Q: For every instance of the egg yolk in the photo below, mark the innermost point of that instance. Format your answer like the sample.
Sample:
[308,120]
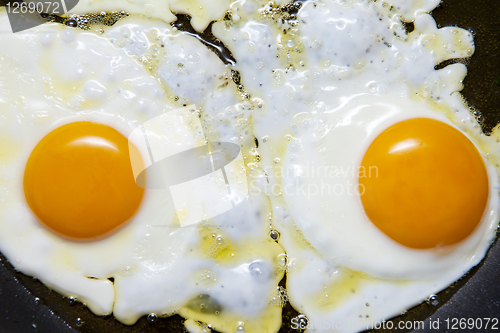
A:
[79,181]
[424,184]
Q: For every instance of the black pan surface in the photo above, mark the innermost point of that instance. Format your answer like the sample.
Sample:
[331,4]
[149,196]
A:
[26,305]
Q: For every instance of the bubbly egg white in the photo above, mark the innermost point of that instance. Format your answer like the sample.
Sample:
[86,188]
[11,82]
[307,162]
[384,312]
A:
[202,11]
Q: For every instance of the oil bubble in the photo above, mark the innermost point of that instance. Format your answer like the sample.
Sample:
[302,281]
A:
[433,300]
[72,23]
[260,270]
[152,318]
[79,322]
[274,234]
[240,328]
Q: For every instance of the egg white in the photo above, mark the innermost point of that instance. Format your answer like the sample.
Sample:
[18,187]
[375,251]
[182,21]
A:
[202,11]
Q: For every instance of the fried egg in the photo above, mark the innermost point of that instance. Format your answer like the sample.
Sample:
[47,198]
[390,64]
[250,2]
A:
[329,184]
[71,213]
[333,79]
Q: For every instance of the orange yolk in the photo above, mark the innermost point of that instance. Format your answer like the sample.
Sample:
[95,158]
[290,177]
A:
[79,182]
[431,184]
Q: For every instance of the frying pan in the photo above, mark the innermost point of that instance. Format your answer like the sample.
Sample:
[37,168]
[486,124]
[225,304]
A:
[26,305]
